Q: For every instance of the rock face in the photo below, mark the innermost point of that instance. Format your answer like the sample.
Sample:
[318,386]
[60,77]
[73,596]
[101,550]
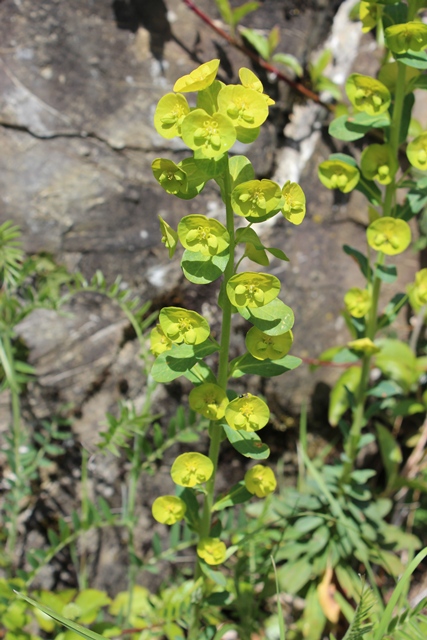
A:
[79,82]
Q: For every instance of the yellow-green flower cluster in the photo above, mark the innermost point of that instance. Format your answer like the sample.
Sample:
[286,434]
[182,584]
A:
[223,115]
[357,302]
[337,174]
[378,162]
[252,289]
[260,481]
[203,234]
[209,399]
[417,291]
[182,325]
[263,347]
[410,36]
[389,235]
[247,413]
[417,151]
[367,94]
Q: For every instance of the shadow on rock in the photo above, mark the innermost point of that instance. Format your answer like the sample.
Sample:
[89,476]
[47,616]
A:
[150,14]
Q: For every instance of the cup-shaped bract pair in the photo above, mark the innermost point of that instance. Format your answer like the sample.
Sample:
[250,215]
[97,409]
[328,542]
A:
[257,200]
[378,162]
[357,302]
[198,79]
[159,342]
[417,151]
[251,81]
[170,112]
[168,509]
[211,550]
[417,291]
[260,481]
[364,346]
[294,206]
[263,347]
[410,36]
[367,94]
[389,235]
[191,469]
[169,237]
[209,399]
[169,175]
[211,135]
[183,325]
[252,289]
[247,413]
[337,174]
[202,234]
[246,108]
[369,13]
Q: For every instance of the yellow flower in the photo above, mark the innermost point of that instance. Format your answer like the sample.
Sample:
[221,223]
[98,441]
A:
[260,481]
[168,509]
[211,550]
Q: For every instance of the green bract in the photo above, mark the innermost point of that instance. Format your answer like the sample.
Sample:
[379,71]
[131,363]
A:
[264,347]
[170,112]
[250,81]
[246,108]
[169,237]
[182,325]
[337,174]
[417,152]
[364,345]
[369,13]
[206,235]
[251,289]
[168,509]
[410,36]
[294,207]
[357,302]
[389,235]
[378,162]
[417,291]
[211,135]
[198,79]
[367,94]
[388,75]
[209,399]
[247,413]
[190,469]
[171,177]
[159,342]
[256,200]
[211,550]
[260,481]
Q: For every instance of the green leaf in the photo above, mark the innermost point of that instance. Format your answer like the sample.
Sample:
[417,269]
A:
[355,127]
[360,259]
[398,362]
[73,626]
[293,576]
[289,61]
[247,364]
[258,42]
[390,453]
[339,400]
[249,235]
[202,269]
[225,10]
[171,364]
[273,319]
[386,272]
[418,60]
[236,495]
[247,443]
[240,12]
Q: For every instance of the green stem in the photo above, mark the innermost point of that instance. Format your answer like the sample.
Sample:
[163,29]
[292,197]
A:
[215,430]
[399,97]
[359,410]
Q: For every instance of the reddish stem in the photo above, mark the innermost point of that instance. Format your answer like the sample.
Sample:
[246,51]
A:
[296,85]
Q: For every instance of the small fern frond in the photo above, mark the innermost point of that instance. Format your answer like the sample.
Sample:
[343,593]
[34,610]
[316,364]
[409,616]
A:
[11,254]
[358,627]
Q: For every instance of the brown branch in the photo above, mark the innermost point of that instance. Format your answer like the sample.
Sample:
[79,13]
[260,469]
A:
[295,84]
